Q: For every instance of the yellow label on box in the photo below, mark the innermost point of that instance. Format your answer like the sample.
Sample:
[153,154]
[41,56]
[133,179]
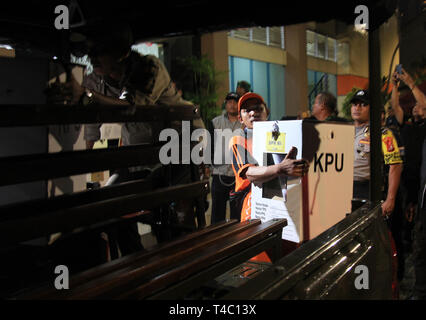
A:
[273,145]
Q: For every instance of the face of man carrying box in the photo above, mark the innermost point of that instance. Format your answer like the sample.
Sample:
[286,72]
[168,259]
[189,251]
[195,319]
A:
[251,107]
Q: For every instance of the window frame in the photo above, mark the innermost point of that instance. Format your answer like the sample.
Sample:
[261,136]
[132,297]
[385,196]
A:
[316,51]
[267,41]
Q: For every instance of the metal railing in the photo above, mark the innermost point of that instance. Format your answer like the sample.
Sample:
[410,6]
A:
[321,85]
[30,219]
[324,267]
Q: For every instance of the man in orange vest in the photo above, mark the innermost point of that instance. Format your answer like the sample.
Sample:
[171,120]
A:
[251,108]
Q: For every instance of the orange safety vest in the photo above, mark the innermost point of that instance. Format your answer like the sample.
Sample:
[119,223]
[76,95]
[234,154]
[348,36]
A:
[240,165]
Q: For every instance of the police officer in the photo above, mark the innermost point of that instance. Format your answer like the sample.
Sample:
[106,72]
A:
[360,112]
[393,164]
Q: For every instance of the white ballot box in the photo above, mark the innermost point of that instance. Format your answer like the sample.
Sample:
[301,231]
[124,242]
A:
[316,202]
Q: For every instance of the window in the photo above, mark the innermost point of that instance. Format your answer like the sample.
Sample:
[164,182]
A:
[276,37]
[319,81]
[266,79]
[243,34]
[331,49]
[259,35]
[269,36]
[320,46]
[343,54]
[310,43]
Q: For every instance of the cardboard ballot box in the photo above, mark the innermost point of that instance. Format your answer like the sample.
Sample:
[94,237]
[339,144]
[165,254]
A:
[316,202]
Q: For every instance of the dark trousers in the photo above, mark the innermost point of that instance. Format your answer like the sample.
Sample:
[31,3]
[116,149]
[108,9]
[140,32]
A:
[397,225]
[221,187]
[419,252]
[361,190]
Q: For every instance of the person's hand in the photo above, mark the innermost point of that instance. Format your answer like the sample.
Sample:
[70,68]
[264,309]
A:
[64,93]
[292,167]
[406,78]
[387,207]
[410,211]
[58,93]
[395,78]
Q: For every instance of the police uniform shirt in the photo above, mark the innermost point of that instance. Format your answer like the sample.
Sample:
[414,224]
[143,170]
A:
[362,154]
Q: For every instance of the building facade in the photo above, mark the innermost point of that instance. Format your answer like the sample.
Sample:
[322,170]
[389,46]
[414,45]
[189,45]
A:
[289,65]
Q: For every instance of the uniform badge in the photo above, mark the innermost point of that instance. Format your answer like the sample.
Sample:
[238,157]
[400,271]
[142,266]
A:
[388,141]
[364,145]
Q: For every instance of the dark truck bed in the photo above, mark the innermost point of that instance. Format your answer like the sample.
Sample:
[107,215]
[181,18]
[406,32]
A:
[354,259]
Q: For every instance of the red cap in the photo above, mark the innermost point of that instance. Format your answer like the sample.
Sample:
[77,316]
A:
[247,96]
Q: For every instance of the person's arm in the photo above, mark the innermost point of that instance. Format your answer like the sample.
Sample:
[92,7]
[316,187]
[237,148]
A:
[105,100]
[392,157]
[398,112]
[394,180]
[98,98]
[418,94]
[288,167]
[261,174]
